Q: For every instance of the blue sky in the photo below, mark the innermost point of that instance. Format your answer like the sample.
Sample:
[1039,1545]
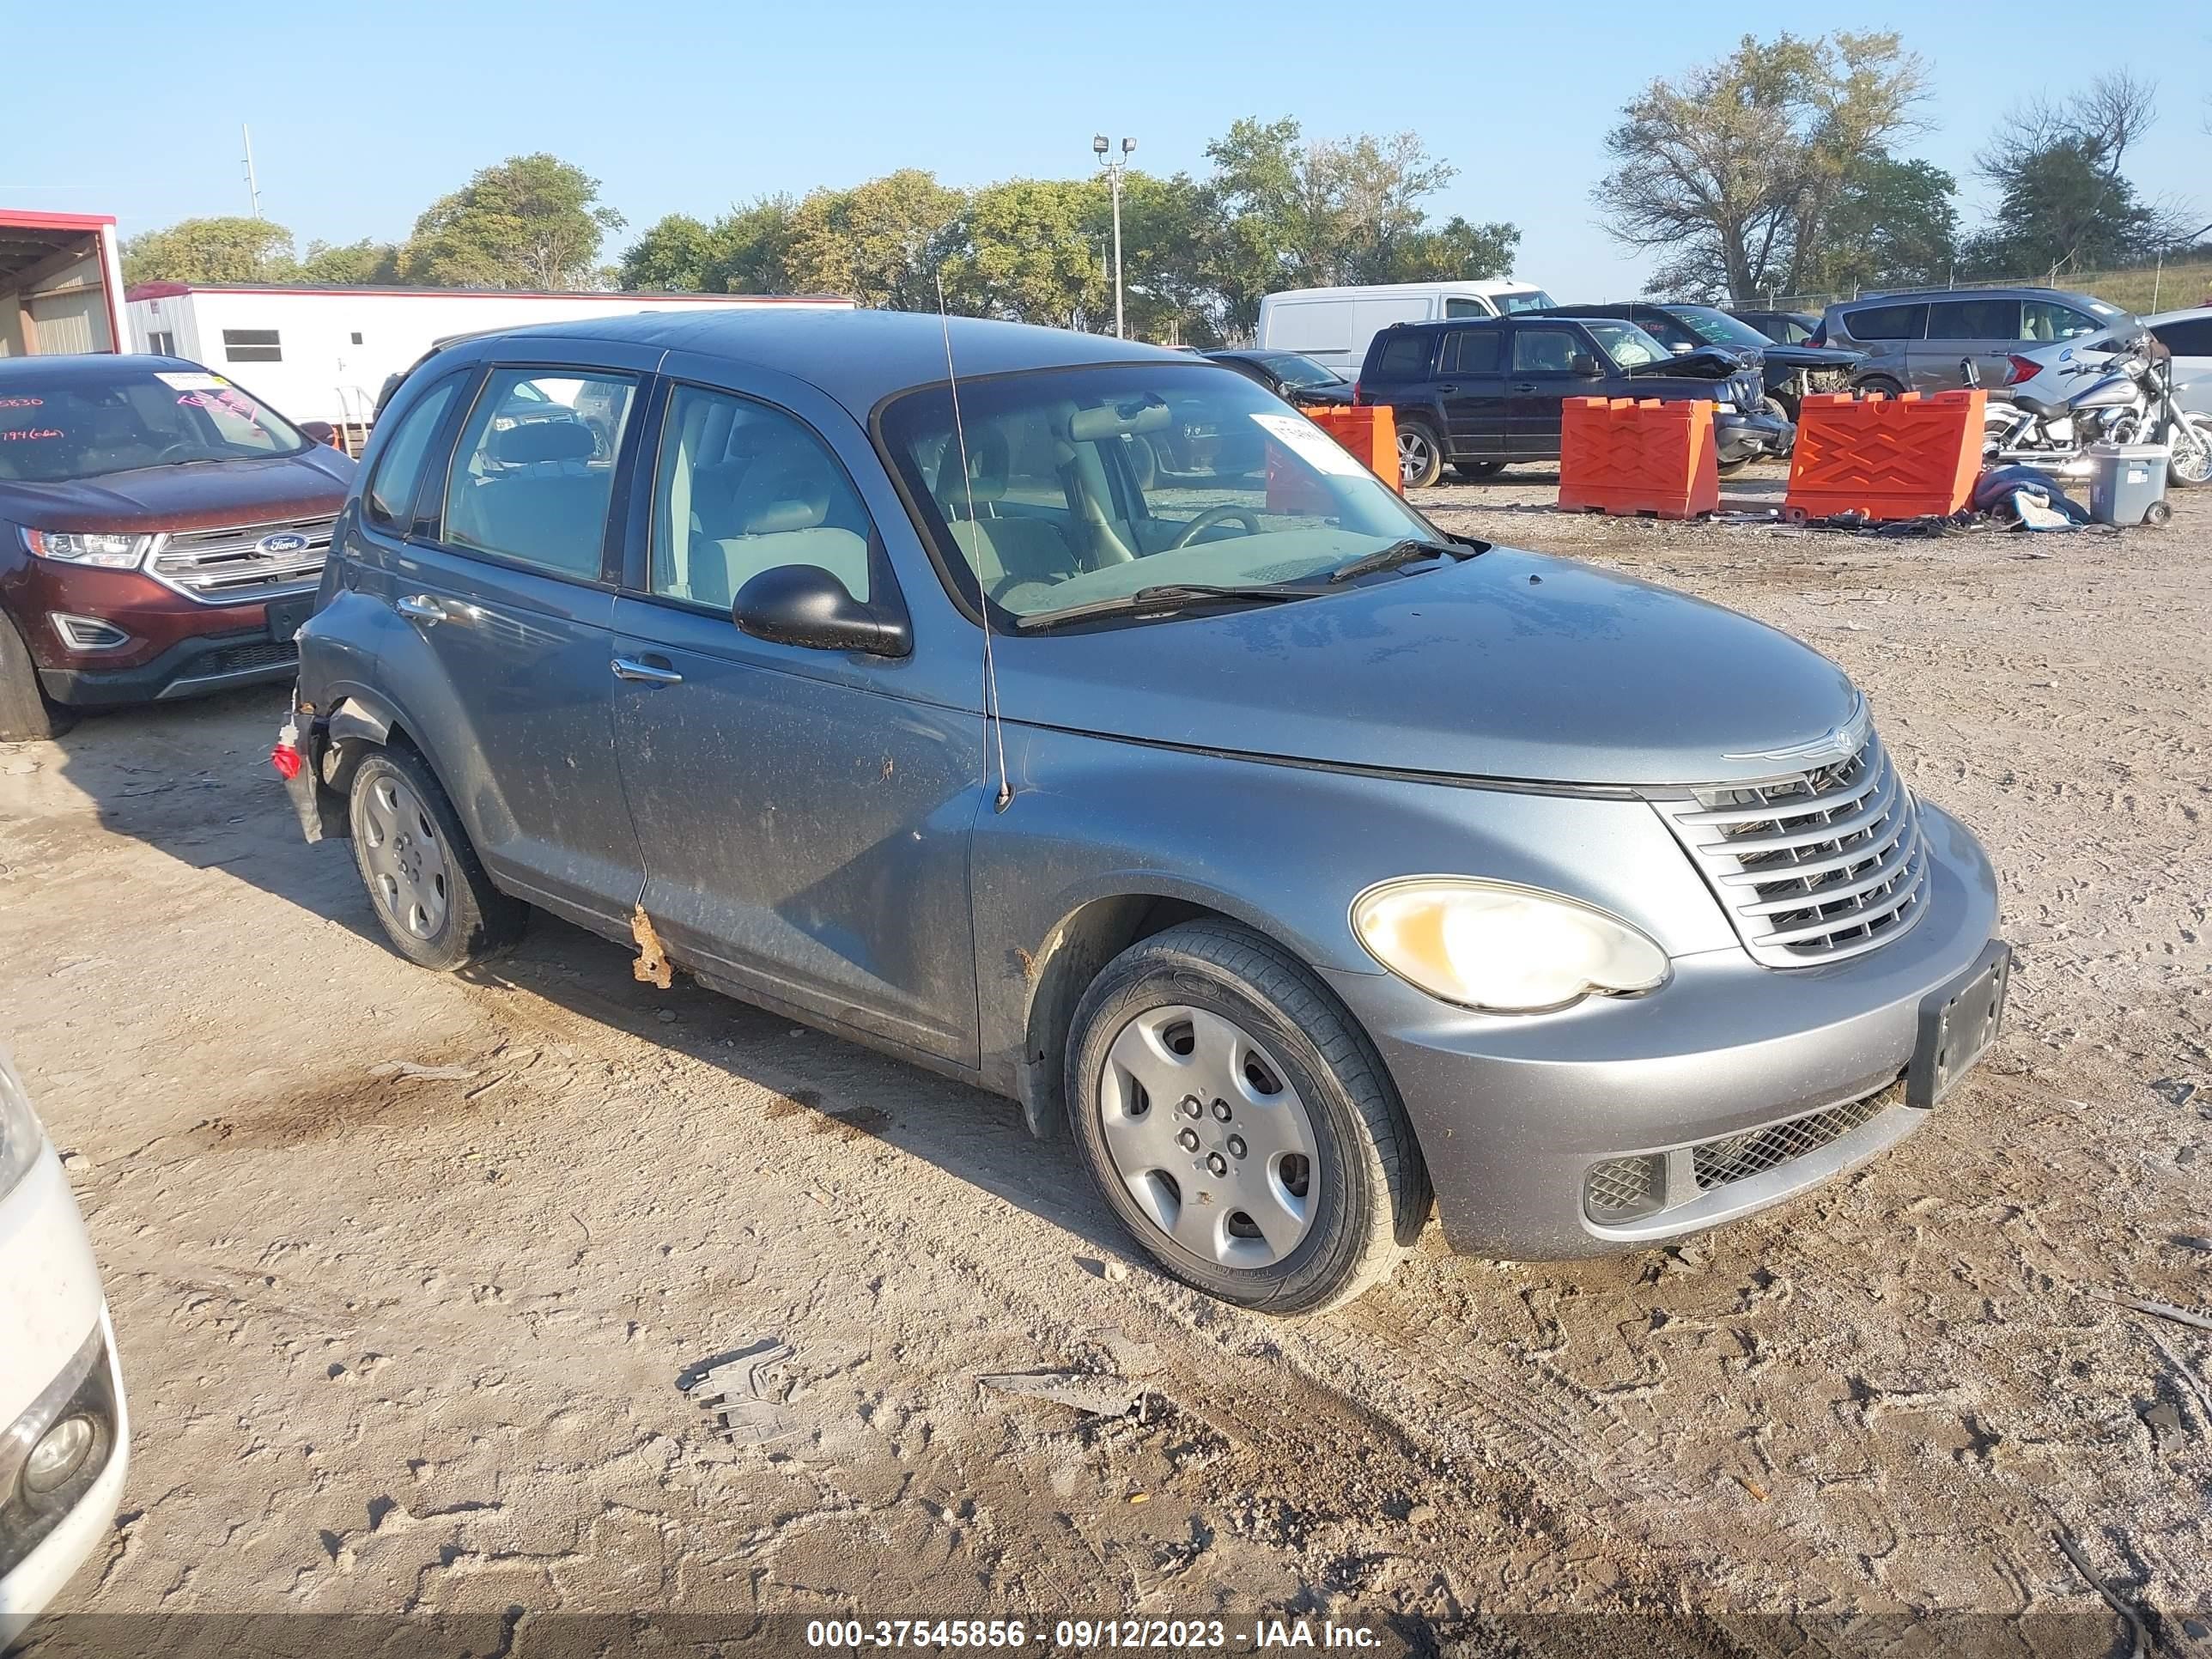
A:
[362,114]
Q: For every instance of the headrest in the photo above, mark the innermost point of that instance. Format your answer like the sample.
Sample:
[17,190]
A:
[532,441]
[989,460]
[776,518]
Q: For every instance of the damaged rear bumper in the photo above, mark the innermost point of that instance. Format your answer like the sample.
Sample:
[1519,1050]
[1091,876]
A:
[305,739]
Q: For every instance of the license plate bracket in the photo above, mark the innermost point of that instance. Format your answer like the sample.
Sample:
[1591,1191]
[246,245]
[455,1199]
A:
[1958,1023]
[285,616]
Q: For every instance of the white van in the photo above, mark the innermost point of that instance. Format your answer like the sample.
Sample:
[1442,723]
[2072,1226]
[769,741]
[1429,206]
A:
[1333,325]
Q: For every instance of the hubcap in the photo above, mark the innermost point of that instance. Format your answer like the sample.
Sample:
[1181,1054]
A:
[405,858]
[1413,455]
[1208,1136]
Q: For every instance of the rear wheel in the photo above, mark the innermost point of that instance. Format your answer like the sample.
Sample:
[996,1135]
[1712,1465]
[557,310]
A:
[1881,383]
[1420,455]
[1240,1124]
[28,714]
[430,890]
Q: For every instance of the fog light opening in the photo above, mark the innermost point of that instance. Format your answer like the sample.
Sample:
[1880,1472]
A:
[59,1454]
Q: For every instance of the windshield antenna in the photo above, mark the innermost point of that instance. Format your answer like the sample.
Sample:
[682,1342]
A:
[994,722]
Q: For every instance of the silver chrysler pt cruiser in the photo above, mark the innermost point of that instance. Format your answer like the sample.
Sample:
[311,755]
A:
[1077,720]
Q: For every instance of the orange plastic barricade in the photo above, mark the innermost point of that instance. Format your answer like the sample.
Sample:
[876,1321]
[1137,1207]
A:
[1628,455]
[1371,434]
[1889,458]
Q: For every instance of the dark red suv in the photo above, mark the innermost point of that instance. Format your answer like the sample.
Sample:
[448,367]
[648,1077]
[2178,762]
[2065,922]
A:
[161,532]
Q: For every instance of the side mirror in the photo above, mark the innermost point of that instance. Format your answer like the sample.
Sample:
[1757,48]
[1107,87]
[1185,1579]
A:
[803,604]
[321,432]
[1583,364]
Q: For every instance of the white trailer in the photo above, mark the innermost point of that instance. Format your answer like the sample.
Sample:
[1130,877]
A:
[322,354]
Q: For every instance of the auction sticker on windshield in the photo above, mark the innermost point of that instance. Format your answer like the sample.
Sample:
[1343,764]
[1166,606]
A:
[199,381]
[1311,444]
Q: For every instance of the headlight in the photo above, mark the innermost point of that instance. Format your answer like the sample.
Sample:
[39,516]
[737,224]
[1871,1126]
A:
[20,1134]
[114,552]
[1493,946]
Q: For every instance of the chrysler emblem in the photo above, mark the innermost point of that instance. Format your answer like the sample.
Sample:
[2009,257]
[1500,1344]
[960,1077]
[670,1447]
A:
[1836,742]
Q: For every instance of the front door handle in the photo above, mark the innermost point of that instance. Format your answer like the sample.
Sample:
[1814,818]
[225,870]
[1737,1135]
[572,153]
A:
[1449,391]
[628,668]
[420,607]
[1524,386]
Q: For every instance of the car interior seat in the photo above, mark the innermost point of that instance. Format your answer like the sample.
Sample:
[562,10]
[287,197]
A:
[544,502]
[1008,552]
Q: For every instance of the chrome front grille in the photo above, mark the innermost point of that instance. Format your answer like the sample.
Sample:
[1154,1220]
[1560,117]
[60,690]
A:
[232,566]
[1818,867]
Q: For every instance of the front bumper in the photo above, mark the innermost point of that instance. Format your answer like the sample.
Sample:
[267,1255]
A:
[192,667]
[1515,1113]
[1748,437]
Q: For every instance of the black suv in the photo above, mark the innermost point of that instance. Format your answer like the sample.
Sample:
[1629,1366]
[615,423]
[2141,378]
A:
[1484,393]
[1791,371]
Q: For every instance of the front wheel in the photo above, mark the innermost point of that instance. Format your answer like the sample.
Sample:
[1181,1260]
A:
[1239,1122]
[2190,438]
[1420,455]
[429,888]
[27,713]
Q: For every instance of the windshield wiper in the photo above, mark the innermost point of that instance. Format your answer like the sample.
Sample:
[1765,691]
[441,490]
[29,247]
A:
[1412,551]
[1166,597]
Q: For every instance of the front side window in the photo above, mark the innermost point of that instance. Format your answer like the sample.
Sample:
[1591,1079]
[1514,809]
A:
[1159,474]
[1888,322]
[1461,307]
[390,496]
[2189,337]
[534,468]
[742,488]
[1629,346]
[1545,350]
[84,427]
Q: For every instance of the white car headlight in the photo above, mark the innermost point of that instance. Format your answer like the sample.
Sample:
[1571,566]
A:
[20,1134]
[113,552]
[1504,948]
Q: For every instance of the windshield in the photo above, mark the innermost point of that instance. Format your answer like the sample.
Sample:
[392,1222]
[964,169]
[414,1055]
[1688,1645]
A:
[81,427]
[1533,298]
[1717,327]
[1293,370]
[1629,346]
[1089,483]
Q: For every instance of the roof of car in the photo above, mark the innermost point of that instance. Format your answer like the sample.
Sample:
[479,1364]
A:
[2186,314]
[63,367]
[857,358]
[2013,291]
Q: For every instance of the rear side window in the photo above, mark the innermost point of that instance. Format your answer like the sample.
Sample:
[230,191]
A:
[2191,337]
[535,468]
[1974,320]
[743,488]
[390,496]
[1888,322]
[1404,356]
[1473,351]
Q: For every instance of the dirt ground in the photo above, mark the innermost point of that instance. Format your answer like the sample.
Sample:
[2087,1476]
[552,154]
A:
[407,1271]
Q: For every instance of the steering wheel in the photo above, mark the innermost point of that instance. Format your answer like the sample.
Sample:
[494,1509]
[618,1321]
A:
[1212,516]
[190,449]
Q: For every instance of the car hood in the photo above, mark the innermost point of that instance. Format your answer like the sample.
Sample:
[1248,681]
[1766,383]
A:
[1510,665]
[218,493]
[1806,356]
[1700,363]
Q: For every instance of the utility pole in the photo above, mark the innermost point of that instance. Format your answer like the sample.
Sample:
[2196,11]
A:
[1115,170]
[253,185]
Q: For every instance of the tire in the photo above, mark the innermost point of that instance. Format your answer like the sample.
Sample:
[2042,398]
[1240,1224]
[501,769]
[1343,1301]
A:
[2157,515]
[1775,409]
[1276,1058]
[28,714]
[1420,455]
[1476,471]
[425,882]
[1729,468]
[1882,383]
[2187,471]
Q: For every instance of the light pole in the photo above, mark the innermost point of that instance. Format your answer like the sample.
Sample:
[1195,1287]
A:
[1100,147]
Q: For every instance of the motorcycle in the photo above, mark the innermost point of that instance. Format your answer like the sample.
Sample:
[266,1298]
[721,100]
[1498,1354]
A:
[2065,398]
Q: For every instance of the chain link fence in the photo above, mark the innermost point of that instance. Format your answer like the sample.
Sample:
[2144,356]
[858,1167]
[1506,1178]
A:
[2143,289]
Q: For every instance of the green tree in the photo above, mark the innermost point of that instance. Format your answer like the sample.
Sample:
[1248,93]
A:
[1169,227]
[883,243]
[533,222]
[1031,254]
[219,250]
[1733,174]
[670,258]
[1891,222]
[364,263]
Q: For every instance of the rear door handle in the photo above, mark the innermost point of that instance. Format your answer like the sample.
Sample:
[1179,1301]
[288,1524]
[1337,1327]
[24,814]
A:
[420,607]
[1524,386]
[652,673]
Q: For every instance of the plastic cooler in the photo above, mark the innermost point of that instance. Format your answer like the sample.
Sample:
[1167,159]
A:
[2127,483]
